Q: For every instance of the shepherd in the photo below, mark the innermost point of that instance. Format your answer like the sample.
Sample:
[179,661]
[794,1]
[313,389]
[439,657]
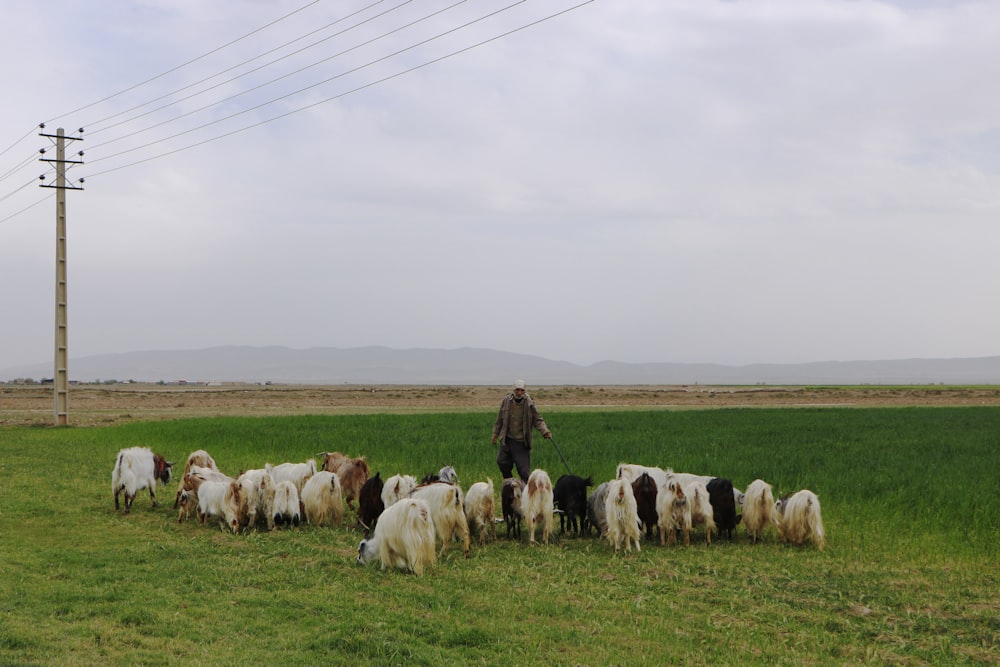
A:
[515,420]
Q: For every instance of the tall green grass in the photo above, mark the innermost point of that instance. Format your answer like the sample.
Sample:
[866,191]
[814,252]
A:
[909,575]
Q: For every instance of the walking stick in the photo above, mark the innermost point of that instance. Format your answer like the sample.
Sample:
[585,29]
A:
[553,441]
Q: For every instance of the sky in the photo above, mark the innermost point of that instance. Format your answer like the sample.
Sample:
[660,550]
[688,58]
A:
[773,181]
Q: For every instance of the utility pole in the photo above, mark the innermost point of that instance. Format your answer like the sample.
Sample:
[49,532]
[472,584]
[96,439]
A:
[61,376]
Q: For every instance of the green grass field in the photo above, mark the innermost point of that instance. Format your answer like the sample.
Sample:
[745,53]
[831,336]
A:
[909,575]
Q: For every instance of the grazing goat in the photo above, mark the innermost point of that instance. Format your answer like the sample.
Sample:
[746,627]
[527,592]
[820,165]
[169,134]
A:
[188,488]
[570,498]
[701,508]
[622,515]
[510,505]
[722,497]
[479,510]
[758,509]
[674,513]
[447,513]
[631,472]
[537,505]
[396,488]
[370,504]
[256,508]
[644,489]
[403,538]
[597,515]
[287,509]
[353,473]
[138,468]
[800,519]
[323,500]
[296,473]
[199,458]
[214,498]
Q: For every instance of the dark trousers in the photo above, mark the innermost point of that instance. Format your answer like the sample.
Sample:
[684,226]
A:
[514,453]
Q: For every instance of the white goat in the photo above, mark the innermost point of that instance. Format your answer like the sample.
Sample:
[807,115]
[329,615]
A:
[480,510]
[758,509]
[286,504]
[296,473]
[632,471]
[800,518]
[256,499]
[323,499]
[701,508]
[403,538]
[396,488]
[673,511]
[137,468]
[622,515]
[199,458]
[445,502]
[597,514]
[538,504]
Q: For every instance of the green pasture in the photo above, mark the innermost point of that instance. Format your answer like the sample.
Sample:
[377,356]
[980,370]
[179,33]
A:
[909,575]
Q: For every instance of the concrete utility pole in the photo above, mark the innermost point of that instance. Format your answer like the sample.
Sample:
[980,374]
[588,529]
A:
[61,376]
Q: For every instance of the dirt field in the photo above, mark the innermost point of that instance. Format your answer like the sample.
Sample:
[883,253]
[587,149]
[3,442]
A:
[99,405]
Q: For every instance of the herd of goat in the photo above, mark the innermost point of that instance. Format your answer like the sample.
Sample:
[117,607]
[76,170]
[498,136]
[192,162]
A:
[404,518]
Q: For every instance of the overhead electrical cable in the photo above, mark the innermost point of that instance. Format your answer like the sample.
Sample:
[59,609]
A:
[349,92]
[190,62]
[228,69]
[302,69]
[260,67]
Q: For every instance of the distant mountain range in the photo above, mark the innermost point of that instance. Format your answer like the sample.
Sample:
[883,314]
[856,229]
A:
[474,366]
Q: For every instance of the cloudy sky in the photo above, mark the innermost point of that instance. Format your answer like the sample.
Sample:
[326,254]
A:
[773,181]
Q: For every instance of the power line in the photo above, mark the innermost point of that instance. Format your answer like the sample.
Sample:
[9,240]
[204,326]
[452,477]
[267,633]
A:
[256,69]
[340,95]
[189,62]
[27,134]
[300,70]
[231,68]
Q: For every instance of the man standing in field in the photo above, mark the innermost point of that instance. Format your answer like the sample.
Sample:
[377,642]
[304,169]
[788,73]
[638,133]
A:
[517,416]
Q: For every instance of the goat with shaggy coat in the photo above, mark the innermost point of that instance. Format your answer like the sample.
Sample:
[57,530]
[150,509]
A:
[403,538]
[323,500]
[187,498]
[597,515]
[622,515]
[722,498]
[632,471]
[138,468]
[479,510]
[353,473]
[287,508]
[510,505]
[570,497]
[702,513]
[370,504]
[199,458]
[447,513]
[644,489]
[537,504]
[800,519]
[296,473]
[396,488]
[256,508]
[674,512]
[758,509]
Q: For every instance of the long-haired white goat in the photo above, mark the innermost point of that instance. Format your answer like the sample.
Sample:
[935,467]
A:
[758,509]
[479,510]
[800,518]
[403,537]
[622,515]
[538,504]
[673,512]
